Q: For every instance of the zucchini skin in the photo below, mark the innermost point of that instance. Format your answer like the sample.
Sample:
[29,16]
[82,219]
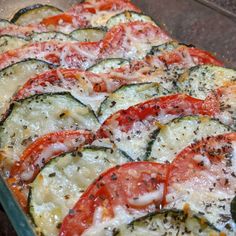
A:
[128,14]
[51,66]
[179,216]
[24,10]
[233,209]
[166,47]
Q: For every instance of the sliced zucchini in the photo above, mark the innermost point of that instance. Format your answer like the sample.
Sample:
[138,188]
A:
[107,65]
[128,95]
[199,81]
[179,133]
[38,115]
[62,181]
[47,36]
[168,222]
[14,76]
[4,23]
[8,42]
[34,14]
[88,35]
[127,16]
[166,47]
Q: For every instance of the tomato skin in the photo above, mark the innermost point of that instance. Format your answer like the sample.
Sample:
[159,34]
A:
[115,5]
[204,57]
[55,20]
[18,193]
[114,188]
[178,104]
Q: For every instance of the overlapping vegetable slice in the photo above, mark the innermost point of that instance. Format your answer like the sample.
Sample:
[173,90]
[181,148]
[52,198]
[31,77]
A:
[62,181]
[118,196]
[133,129]
[202,179]
[82,15]
[116,43]
[35,116]
[37,154]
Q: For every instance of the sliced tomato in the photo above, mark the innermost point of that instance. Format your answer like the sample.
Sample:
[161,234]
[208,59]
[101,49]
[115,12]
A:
[204,57]
[222,103]
[81,55]
[57,19]
[117,5]
[189,56]
[38,154]
[120,39]
[44,148]
[154,110]
[69,80]
[202,178]
[120,187]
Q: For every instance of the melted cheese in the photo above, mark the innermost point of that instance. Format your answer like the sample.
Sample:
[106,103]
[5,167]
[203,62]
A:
[107,227]
[207,193]
[148,198]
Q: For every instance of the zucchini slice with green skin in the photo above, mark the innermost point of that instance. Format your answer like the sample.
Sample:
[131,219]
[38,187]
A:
[14,76]
[129,95]
[107,65]
[179,133]
[38,115]
[34,14]
[47,36]
[8,42]
[166,47]
[168,222]
[88,34]
[199,81]
[128,16]
[62,181]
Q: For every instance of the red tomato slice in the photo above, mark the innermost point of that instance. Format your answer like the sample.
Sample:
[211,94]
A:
[203,178]
[154,110]
[127,35]
[73,80]
[57,19]
[103,5]
[117,5]
[44,148]
[204,57]
[79,55]
[122,186]
[38,154]
[189,56]
[222,103]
